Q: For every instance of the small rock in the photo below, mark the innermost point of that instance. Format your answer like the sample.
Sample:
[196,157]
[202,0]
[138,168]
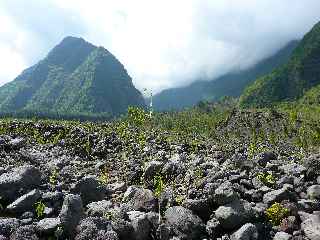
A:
[200,207]
[289,224]
[225,194]
[98,209]
[282,236]
[94,228]
[265,158]
[213,228]
[246,232]
[141,199]
[90,190]
[152,168]
[48,225]
[313,192]
[279,195]
[308,205]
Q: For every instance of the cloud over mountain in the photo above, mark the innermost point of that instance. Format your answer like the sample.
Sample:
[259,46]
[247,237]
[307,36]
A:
[162,43]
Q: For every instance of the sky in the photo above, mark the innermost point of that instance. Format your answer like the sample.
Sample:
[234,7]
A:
[163,43]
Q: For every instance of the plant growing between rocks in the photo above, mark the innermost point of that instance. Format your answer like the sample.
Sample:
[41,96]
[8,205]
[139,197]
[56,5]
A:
[276,213]
[159,187]
[104,176]
[266,178]
[39,208]
[53,179]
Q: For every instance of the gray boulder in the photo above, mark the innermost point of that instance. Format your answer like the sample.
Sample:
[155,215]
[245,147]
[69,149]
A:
[71,213]
[213,228]
[308,205]
[293,169]
[18,182]
[311,226]
[313,192]
[25,202]
[98,209]
[140,199]
[200,207]
[152,168]
[246,232]
[141,225]
[90,190]
[312,164]
[234,215]
[282,236]
[184,223]
[225,194]
[48,225]
[279,195]
[265,158]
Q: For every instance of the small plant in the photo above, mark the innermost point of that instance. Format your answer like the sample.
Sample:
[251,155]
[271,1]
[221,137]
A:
[276,213]
[87,145]
[108,215]
[104,176]
[39,208]
[53,179]
[58,233]
[198,175]
[266,178]
[179,200]
[159,187]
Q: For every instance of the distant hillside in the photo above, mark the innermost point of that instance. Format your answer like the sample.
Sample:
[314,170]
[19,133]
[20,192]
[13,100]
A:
[75,77]
[292,80]
[228,85]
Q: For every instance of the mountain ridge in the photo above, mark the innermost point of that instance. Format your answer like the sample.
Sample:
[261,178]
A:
[290,81]
[75,77]
[230,84]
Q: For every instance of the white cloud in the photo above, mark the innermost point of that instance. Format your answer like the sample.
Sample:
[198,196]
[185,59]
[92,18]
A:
[162,43]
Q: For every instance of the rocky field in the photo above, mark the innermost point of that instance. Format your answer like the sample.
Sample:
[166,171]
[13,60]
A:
[254,175]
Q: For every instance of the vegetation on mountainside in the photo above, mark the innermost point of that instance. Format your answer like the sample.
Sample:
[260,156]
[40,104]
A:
[75,79]
[231,84]
[292,80]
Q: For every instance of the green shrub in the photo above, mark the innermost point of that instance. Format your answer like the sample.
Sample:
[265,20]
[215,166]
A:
[266,178]
[276,213]
[39,208]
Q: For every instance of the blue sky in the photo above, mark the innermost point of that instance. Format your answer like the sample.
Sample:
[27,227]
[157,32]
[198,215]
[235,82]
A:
[162,44]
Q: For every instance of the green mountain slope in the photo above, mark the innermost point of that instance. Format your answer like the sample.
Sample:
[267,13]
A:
[231,84]
[290,81]
[75,77]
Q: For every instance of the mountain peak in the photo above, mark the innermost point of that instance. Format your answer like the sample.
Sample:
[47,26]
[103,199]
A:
[75,77]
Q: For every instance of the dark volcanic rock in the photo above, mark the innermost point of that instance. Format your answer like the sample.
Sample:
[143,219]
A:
[71,213]
[184,223]
[90,190]
[18,182]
